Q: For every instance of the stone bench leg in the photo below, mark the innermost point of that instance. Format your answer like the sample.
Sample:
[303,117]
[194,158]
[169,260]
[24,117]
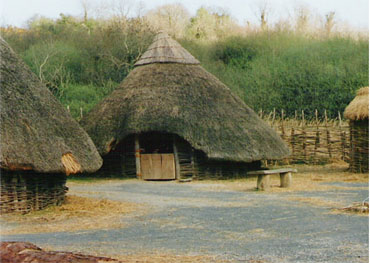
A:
[285,179]
[263,182]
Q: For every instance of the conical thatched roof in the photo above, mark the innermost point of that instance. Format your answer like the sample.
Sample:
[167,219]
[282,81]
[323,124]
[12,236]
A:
[358,109]
[166,50]
[37,133]
[186,100]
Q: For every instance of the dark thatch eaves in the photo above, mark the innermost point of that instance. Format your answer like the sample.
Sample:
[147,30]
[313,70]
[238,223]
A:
[183,99]
[358,109]
[37,133]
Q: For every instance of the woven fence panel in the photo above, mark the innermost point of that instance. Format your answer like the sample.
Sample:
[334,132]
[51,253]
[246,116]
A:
[22,192]
[313,141]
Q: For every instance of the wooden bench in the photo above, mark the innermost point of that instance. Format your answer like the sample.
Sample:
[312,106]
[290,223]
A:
[263,181]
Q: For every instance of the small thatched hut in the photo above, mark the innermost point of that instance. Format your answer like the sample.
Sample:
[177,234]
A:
[178,120]
[40,142]
[358,114]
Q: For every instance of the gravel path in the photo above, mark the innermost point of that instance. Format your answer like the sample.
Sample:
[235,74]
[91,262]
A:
[192,219]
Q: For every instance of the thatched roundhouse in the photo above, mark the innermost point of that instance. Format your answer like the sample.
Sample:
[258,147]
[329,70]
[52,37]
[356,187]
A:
[179,119]
[40,142]
[358,114]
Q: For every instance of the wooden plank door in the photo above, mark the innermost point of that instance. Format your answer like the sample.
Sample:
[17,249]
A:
[157,166]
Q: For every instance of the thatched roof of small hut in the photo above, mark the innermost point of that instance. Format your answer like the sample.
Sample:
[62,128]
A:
[183,99]
[37,133]
[166,50]
[358,109]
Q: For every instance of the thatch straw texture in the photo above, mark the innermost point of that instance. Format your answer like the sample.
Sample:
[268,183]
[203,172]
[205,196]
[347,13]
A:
[358,109]
[36,131]
[166,50]
[188,101]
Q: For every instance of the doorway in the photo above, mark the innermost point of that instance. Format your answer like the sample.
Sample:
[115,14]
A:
[157,159]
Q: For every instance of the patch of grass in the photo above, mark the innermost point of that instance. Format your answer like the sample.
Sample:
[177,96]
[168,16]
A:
[77,213]
[78,179]
[356,208]
[315,201]
[308,178]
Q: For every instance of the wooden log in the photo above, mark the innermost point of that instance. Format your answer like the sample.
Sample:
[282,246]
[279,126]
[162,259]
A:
[263,182]
[137,156]
[285,179]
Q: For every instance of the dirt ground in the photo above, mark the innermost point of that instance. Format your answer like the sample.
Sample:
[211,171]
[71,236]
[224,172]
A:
[206,221]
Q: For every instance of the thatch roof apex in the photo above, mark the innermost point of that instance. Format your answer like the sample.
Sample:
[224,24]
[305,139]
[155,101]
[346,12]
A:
[166,50]
[37,133]
[358,109]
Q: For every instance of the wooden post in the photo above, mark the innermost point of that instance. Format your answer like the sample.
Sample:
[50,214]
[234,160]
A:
[137,156]
[340,119]
[285,179]
[292,141]
[328,137]
[68,108]
[273,117]
[282,124]
[303,124]
[317,138]
[81,115]
[263,182]
[177,162]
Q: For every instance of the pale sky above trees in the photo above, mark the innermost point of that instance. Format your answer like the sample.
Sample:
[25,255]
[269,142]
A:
[354,13]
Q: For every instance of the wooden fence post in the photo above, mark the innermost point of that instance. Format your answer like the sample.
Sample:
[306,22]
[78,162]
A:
[304,136]
[317,137]
[282,124]
[302,122]
[260,114]
[328,140]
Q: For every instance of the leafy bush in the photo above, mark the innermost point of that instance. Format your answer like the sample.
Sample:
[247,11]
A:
[82,61]
[285,71]
[84,97]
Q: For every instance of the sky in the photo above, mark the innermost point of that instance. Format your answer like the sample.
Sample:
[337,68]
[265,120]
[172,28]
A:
[355,13]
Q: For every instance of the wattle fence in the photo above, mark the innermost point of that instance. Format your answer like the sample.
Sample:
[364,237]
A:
[312,139]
